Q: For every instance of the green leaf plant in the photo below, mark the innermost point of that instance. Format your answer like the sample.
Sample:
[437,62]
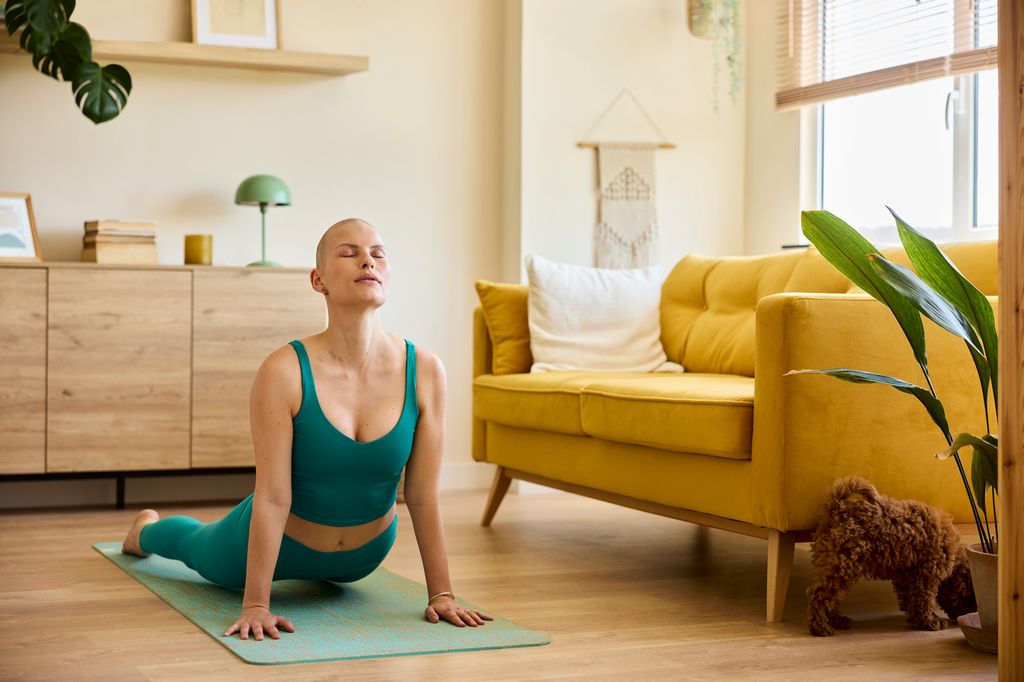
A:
[937,290]
[62,50]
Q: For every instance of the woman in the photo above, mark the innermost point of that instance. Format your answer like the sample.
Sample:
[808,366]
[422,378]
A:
[324,501]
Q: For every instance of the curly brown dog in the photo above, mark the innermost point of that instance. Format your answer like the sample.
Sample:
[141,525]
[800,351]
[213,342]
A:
[874,536]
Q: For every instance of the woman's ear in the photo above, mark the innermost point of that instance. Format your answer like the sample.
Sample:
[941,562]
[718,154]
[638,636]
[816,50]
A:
[317,282]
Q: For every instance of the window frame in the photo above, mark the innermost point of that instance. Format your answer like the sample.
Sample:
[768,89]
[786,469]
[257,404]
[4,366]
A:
[963,108]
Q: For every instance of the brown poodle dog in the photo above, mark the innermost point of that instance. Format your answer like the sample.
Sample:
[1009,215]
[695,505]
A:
[867,534]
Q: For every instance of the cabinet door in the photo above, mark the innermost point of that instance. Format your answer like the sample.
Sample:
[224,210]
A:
[118,372]
[22,370]
[241,317]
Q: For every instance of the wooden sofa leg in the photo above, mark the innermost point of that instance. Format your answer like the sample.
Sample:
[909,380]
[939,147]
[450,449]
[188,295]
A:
[781,547]
[498,489]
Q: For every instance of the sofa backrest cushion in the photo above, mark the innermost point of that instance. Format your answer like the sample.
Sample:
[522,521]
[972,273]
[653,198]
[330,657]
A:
[978,261]
[708,304]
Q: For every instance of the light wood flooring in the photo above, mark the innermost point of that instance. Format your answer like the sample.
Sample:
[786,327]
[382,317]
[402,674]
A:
[625,596]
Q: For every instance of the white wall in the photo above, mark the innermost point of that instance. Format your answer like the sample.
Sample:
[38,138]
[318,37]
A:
[577,55]
[459,143]
[413,145]
[774,194]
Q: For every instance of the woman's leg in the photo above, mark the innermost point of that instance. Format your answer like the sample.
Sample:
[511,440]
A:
[217,551]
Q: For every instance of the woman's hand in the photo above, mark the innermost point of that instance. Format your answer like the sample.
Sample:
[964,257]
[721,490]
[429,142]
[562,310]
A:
[455,614]
[257,619]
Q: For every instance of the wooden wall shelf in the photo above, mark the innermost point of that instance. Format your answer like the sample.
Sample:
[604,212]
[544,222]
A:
[215,55]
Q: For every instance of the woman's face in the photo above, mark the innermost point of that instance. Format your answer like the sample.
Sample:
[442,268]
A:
[354,268]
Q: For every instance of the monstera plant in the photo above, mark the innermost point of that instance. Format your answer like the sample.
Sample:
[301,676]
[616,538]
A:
[62,49]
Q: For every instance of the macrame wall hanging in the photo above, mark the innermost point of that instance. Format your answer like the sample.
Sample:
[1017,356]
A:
[626,232]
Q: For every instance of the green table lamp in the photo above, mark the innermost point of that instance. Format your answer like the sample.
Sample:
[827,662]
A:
[263,191]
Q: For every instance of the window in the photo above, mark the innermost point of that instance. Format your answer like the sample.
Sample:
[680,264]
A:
[928,149]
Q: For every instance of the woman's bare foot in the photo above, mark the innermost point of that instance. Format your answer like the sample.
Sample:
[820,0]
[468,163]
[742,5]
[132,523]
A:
[131,541]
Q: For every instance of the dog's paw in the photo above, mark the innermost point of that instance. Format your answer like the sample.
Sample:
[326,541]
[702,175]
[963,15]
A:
[841,622]
[820,627]
[931,622]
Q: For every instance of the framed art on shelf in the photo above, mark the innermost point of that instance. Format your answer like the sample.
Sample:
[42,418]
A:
[236,23]
[19,240]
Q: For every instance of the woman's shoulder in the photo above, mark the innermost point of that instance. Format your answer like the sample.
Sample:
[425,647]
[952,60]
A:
[427,363]
[280,374]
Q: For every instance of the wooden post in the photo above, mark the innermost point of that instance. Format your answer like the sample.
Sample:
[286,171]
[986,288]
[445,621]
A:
[1011,335]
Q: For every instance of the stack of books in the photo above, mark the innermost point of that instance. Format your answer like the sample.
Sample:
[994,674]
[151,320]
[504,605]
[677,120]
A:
[117,241]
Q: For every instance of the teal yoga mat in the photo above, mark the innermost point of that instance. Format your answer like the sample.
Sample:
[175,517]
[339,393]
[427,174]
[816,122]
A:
[380,615]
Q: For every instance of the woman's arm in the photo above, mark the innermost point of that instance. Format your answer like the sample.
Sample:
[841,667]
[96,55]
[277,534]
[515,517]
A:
[270,418]
[422,475]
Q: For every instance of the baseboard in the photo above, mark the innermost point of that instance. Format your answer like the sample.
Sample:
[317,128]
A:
[138,491]
[466,476]
[185,489]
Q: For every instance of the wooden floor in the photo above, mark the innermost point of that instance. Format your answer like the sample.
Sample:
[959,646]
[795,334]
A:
[624,595]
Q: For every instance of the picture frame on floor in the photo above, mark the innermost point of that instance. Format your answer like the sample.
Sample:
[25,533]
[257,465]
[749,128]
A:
[237,23]
[19,239]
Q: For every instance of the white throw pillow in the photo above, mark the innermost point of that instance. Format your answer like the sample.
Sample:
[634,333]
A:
[595,318]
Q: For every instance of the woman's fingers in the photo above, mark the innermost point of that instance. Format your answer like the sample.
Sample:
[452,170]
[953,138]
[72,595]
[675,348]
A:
[231,630]
[452,617]
[285,625]
[272,631]
[476,617]
[432,615]
[244,631]
[467,618]
[257,631]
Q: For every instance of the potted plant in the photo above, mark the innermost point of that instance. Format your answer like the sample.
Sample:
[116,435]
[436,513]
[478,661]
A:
[719,22]
[62,50]
[942,294]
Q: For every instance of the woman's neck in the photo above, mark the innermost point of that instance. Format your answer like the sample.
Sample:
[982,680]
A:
[354,340]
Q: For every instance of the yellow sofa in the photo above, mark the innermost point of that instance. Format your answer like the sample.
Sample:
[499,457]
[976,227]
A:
[732,443]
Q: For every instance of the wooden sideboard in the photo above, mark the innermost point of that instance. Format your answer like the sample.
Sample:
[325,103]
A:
[135,368]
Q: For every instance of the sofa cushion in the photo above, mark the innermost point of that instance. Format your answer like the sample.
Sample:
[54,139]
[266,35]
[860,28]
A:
[976,260]
[710,414]
[707,309]
[504,307]
[595,319]
[546,401]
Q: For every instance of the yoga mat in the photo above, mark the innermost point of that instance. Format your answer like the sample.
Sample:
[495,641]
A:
[380,615]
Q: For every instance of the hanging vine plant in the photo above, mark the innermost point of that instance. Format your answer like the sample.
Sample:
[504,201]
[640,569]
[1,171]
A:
[719,21]
[62,50]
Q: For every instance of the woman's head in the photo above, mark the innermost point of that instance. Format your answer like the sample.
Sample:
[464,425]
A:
[351,264]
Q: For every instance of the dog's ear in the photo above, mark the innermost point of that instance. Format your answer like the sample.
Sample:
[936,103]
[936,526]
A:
[956,593]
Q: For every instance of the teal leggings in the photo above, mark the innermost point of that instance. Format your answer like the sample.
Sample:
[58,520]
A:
[218,550]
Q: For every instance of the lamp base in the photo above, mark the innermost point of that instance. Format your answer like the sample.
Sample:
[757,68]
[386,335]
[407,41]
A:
[264,264]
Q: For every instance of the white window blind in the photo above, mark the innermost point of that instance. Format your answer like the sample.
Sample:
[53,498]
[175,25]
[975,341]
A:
[835,48]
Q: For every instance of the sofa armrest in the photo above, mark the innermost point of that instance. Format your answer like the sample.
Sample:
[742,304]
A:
[810,430]
[482,358]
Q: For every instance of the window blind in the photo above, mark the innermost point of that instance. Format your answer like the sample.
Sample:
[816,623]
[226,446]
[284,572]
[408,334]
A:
[837,48]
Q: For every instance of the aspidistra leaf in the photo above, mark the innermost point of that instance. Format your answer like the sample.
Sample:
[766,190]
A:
[932,404]
[848,251]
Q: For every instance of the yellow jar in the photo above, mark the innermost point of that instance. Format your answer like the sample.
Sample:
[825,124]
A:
[198,249]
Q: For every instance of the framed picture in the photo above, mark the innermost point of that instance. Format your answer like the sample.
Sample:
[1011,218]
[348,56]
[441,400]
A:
[236,23]
[19,240]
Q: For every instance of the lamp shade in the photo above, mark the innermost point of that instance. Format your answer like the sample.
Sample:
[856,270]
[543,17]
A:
[263,189]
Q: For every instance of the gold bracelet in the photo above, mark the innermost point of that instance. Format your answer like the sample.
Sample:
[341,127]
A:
[440,594]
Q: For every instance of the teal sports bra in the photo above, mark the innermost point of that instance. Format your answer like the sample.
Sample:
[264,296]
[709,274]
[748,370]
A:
[338,481]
